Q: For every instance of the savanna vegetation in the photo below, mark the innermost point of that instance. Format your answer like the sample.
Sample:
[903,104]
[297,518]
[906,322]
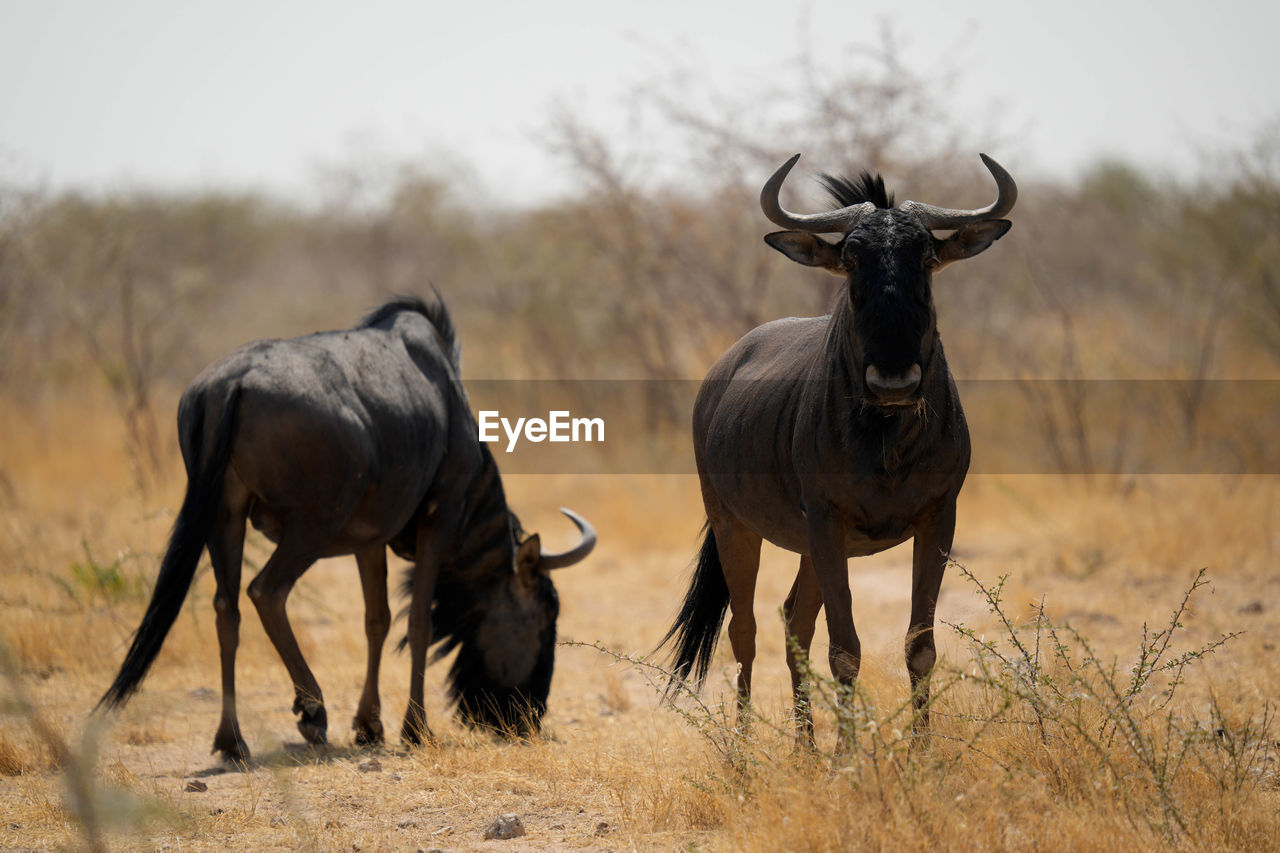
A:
[1108,640]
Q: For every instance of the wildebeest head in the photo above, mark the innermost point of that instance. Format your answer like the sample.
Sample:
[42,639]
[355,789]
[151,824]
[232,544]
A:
[501,677]
[887,255]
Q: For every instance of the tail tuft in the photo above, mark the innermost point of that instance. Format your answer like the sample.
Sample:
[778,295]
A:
[696,629]
[191,531]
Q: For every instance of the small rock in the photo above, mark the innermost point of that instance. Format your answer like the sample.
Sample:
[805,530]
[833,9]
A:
[373,765]
[504,826]
[195,786]
[278,820]
[602,828]
[430,850]
[204,694]
[1252,607]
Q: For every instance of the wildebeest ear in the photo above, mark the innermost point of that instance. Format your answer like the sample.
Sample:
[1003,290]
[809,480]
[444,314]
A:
[529,555]
[968,241]
[808,249]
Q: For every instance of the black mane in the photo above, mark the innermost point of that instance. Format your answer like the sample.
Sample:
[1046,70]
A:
[480,700]
[435,311]
[846,192]
[454,613]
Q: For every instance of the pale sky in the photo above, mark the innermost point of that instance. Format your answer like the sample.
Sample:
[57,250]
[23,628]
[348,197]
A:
[261,94]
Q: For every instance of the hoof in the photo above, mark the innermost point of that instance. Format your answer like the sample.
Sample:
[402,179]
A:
[232,750]
[314,731]
[368,733]
[921,742]
[416,734]
[313,723]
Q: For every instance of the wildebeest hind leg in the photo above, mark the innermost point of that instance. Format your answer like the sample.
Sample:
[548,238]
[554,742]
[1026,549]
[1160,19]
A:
[377,621]
[739,550]
[226,551]
[801,613]
[269,591]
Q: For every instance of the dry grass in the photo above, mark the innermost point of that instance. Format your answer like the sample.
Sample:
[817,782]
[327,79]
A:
[616,770]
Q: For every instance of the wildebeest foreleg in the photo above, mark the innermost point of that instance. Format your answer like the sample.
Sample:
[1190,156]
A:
[929,561]
[826,549]
[801,613]
[226,552]
[426,565]
[377,622]
[269,591]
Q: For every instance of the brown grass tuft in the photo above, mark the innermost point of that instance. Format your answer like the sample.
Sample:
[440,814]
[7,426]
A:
[20,756]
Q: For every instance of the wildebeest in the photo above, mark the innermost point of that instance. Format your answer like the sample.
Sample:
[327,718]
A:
[835,436]
[348,442]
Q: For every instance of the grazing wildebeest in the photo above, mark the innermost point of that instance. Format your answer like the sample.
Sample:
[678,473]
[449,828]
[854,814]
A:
[836,436]
[349,442]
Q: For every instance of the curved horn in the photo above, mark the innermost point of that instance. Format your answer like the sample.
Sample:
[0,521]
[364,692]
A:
[815,223]
[578,552]
[945,218]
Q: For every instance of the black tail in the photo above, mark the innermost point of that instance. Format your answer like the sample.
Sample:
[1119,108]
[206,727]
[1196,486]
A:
[697,627]
[190,533]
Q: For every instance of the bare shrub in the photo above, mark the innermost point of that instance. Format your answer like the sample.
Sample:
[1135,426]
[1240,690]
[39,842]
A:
[121,282]
[1033,701]
[678,255]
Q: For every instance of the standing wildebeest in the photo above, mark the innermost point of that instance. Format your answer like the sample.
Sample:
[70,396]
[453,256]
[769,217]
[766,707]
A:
[836,436]
[346,443]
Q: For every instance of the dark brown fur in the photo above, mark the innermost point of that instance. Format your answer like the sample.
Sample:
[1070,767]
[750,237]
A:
[795,444]
[349,442]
